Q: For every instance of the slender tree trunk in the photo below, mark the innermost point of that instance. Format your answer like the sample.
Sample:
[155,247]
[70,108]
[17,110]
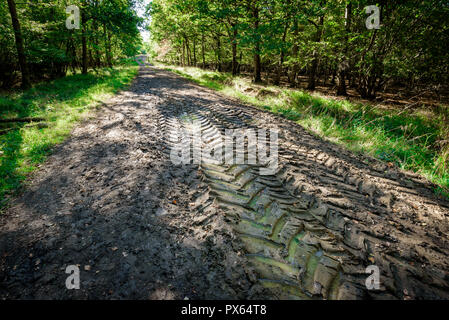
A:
[202,50]
[234,59]
[92,60]
[277,80]
[295,50]
[183,60]
[74,65]
[189,59]
[257,66]
[186,43]
[312,73]
[194,51]
[234,50]
[364,75]
[19,45]
[351,79]
[67,51]
[240,62]
[314,66]
[218,53]
[84,42]
[107,37]
[97,60]
[344,65]
[323,71]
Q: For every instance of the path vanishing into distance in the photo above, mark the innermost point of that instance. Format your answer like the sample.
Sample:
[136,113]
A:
[110,201]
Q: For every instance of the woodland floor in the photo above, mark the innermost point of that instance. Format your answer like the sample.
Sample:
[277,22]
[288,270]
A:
[110,200]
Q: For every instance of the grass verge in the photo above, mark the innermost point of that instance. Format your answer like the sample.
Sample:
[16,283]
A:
[62,103]
[410,139]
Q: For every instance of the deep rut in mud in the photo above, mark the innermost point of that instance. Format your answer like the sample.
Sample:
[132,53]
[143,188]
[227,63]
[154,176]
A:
[308,231]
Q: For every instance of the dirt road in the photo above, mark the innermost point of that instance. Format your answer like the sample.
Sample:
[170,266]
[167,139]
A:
[111,201]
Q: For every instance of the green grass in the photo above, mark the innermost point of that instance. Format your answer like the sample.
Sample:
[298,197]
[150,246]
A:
[409,139]
[63,103]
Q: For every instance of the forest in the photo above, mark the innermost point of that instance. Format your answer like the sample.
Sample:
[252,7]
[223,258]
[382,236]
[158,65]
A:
[331,41]
[36,45]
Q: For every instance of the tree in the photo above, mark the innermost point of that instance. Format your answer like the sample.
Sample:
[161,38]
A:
[344,65]
[19,44]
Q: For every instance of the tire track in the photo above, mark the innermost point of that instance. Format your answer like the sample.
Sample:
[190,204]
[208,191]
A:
[311,229]
[295,256]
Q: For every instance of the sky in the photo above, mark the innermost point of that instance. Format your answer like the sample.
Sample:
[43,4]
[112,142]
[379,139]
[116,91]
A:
[140,11]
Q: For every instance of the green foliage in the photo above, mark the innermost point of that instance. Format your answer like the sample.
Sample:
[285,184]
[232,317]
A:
[311,37]
[110,28]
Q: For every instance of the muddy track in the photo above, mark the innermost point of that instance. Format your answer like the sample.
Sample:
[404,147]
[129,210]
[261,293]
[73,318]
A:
[306,232]
[311,229]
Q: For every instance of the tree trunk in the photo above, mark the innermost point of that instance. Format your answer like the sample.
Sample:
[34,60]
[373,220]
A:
[240,62]
[84,43]
[234,50]
[107,37]
[218,53]
[257,67]
[313,68]
[97,60]
[194,51]
[365,75]
[25,119]
[295,50]
[189,60]
[202,50]
[334,74]
[19,45]
[183,60]
[312,75]
[344,65]
[341,89]
[277,80]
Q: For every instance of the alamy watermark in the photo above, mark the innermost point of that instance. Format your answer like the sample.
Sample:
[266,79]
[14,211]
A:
[373,280]
[73,280]
[373,21]
[73,21]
